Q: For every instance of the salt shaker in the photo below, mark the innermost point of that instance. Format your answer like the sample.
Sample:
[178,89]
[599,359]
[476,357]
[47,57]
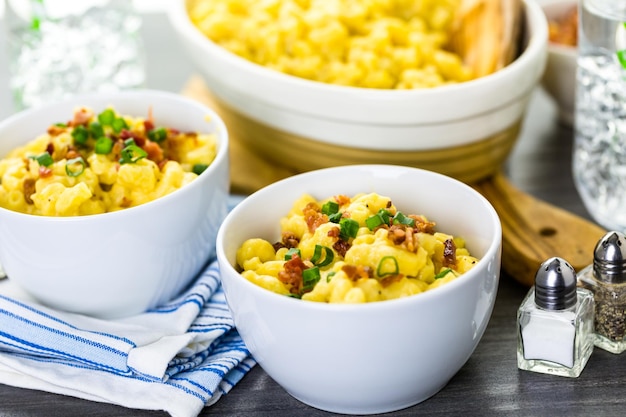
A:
[606,279]
[555,322]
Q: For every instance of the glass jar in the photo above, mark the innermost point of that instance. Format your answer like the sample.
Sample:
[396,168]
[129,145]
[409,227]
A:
[599,156]
[60,48]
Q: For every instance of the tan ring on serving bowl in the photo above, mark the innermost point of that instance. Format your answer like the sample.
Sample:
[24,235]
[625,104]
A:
[468,163]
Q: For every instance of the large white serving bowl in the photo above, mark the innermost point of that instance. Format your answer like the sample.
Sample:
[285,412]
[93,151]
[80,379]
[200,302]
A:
[376,357]
[464,130]
[120,263]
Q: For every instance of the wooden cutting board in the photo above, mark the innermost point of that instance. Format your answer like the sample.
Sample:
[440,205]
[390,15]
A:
[533,230]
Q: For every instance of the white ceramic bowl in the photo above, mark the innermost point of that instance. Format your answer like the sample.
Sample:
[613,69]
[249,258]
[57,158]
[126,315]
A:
[286,118]
[369,358]
[559,79]
[120,263]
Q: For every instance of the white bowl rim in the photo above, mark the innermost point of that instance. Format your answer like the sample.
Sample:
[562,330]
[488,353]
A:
[258,291]
[84,99]
[302,86]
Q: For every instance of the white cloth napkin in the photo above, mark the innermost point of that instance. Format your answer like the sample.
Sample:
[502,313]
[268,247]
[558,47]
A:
[178,358]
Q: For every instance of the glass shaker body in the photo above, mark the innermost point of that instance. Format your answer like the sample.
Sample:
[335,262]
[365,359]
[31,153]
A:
[610,311]
[557,342]
[599,156]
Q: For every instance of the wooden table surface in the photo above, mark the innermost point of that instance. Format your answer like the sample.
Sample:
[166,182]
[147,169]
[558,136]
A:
[489,384]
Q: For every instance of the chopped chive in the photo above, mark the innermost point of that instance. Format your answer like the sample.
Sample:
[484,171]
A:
[310,277]
[291,252]
[107,117]
[80,135]
[157,135]
[199,168]
[400,218]
[328,255]
[104,145]
[330,207]
[348,228]
[374,221]
[75,166]
[43,159]
[96,130]
[132,154]
[443,273]
[388,265]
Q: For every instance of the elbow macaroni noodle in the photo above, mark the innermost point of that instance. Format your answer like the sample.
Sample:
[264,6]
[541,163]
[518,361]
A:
[380,261]
[97,164]
[387,44]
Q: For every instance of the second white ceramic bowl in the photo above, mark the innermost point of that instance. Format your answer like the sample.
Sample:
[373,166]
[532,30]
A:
[120,263]
[376,357]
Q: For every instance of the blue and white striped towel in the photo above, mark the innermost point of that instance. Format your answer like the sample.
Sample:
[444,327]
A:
[178,358]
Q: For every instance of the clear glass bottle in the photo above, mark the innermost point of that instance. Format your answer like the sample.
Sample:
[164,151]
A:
[555,322]
[599,156]
[59,48]
[606,279]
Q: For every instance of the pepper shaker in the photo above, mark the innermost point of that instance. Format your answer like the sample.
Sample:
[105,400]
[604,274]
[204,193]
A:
[555,322]
[606,279]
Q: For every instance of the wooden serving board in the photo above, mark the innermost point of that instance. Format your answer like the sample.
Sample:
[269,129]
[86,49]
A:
[533,230]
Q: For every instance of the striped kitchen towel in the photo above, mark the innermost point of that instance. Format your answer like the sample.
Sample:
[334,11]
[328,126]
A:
[178,358]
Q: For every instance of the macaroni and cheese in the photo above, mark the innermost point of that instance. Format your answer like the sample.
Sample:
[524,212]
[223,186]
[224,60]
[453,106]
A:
[97,163]
[397,44]
[353,250]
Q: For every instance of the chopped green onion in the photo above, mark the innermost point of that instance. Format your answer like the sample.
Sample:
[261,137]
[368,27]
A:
[335,218]
[80,135]
[104,145]
[348,228]
[96,130]
[330,207]
[374,221]
[44,159]
[443,273]
[388,265]
[119,124]
[132,154]
[291,252]
[157,135]
[329,255]
[61,124]
[402,219]
[107,117]
[129,142]
[310,277]
[330,275]
[199,168]
[75,166]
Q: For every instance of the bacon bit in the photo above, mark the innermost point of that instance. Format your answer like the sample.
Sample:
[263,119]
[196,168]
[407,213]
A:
[50,148]
[81,117]
[116,152]
[71,154]
[291,275]
[154,151]
[397,233]
[341,247]
[44,172]
[449,253]
[29,189]
[55,130]
[390,279]
[148,125]
[314,216]
[422,225]
[388,204]
[290,240]
[334,232]
[162,163]
[138,138]
[125,202]
[355,272]
[342,199]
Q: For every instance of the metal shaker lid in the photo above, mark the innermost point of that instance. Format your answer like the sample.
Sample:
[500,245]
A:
[609,258]
[555,285]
